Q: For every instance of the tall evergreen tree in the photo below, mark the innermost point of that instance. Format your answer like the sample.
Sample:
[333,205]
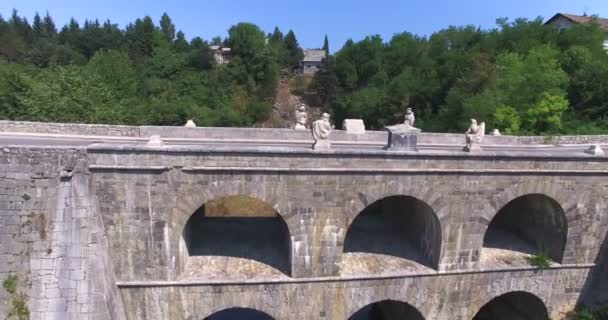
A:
[48,26]
[326,45]
[276,36]
[294,52]
[167,27]
[181,44]
[37,26]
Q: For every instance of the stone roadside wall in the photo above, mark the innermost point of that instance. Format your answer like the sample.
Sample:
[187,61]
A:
[370,137]
[68,128]
[52,238]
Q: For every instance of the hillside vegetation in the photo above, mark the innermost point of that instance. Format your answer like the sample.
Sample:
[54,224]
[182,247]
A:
[146,73]
[522,77]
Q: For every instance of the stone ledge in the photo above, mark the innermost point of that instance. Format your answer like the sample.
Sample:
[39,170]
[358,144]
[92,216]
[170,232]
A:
[542,152]
[145,284]
[349,170]
[97,167]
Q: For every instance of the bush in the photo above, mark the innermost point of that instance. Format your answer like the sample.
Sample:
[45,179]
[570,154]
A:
[541,261]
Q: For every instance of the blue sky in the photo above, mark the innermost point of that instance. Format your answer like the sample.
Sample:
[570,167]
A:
[310,19]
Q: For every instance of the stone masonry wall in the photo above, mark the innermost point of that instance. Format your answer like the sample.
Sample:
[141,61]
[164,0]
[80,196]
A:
[96,233]
[441,297]
[68,128]
[150,208]
[51,236]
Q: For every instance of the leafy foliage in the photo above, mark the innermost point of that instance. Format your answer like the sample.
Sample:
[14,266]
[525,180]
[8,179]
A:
[143,74]
[522,77]
[541,261]
[600,313]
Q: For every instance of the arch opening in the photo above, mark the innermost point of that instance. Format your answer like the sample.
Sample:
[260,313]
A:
[517,305]
[387,310]
[394,234]
[236,237]
[530,225]
[239,314]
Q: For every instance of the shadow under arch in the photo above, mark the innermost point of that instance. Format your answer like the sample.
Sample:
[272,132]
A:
[530,224]
[239,314]
[594,293]
[515,305]
[236,237]
[394,233]
[387,310]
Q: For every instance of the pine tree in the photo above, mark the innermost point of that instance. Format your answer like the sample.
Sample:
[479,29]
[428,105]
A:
[326,45]
[167,27]
[37,25]
[48,26]
[294,52]
[181,44]
[276,36]
[21,26]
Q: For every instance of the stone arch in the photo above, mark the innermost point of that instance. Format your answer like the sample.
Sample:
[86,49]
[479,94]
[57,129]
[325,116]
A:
[193,195]
[554,191]
[221,240]
[531,224]
[239,313]
[393,234]
[514,305]
[387,309]
[427,194]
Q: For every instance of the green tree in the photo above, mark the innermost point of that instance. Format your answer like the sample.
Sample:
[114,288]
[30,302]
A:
[507,120]
[326,45]
[294,52]
[167,27]
[546,115]
[181,44]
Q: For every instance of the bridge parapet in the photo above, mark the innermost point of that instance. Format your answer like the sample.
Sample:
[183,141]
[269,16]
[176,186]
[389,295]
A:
[270,134]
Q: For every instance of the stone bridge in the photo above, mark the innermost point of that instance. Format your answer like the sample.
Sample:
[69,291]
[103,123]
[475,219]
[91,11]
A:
[253,224]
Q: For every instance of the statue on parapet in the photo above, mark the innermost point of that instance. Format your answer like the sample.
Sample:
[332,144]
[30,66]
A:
[474,135]
[410,118]
[320,133]
[301,118]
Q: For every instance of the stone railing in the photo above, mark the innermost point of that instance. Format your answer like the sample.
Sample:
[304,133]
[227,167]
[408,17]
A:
[248,134]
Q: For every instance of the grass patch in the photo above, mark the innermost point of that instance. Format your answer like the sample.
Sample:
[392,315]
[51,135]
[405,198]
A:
[541,261]
[18,302]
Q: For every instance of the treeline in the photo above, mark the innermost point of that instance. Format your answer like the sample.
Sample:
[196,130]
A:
[146,73]
[523,77]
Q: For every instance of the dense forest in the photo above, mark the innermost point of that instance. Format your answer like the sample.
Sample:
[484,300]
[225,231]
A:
[146,73]
[522,77]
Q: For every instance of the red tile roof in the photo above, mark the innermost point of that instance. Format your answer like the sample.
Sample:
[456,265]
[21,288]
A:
[603,22]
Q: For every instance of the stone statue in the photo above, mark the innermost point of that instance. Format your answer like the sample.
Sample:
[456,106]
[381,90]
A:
[320,133]
[409,117]
[301,118]
[474,135]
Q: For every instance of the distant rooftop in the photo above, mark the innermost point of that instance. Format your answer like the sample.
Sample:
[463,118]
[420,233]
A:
[220,48]
[584,19]
[313,55]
